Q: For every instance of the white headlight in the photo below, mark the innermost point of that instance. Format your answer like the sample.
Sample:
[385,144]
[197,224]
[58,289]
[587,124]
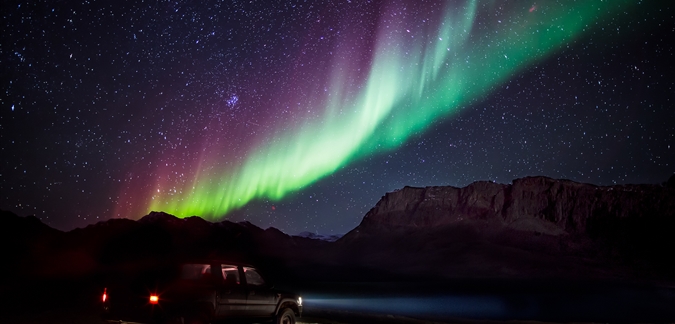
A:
[299,301]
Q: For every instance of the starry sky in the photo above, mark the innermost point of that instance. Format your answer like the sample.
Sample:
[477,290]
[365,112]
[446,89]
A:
[301,114]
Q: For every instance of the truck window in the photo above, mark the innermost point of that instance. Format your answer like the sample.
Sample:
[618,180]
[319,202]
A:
[230,274]
[196,271]
[253,277]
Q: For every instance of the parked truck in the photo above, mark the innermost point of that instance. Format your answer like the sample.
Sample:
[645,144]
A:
[198,292]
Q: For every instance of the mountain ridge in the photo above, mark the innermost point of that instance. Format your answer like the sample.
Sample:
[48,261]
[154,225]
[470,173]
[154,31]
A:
[535,227]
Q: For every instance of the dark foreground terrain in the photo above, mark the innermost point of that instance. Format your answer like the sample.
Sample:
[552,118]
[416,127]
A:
[466,301]
[538,249]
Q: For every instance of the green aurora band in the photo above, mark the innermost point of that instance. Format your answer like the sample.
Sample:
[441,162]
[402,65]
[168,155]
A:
[412,82]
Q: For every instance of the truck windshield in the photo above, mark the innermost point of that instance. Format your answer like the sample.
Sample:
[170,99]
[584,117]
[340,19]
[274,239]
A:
[253,277]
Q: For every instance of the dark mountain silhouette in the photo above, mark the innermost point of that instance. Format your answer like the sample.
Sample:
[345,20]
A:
[25,239]
[536,227]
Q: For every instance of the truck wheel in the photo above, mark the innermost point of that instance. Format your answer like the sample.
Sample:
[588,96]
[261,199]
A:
[286,316]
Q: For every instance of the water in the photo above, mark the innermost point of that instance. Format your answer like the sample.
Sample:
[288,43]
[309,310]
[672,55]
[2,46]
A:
[586,301]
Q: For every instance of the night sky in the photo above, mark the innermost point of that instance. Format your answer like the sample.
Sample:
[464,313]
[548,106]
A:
[301,114]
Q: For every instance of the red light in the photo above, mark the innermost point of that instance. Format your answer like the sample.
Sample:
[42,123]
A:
[154,299]
[105,295]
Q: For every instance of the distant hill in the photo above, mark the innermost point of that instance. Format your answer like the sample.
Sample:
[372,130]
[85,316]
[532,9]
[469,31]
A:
[314,236]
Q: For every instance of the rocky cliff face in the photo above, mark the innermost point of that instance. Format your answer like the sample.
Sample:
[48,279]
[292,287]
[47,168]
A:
[534,204]
[534,227]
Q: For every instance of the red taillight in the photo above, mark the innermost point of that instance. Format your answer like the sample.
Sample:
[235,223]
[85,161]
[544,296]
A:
[105,294]
[154,299]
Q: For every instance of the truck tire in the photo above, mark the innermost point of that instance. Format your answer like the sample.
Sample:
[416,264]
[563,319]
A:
[286,316]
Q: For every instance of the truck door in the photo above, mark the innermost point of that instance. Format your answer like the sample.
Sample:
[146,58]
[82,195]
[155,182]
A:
[261,300]
[231,293]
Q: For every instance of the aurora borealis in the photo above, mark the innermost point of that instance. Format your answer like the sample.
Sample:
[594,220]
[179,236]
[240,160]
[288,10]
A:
[301,115]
